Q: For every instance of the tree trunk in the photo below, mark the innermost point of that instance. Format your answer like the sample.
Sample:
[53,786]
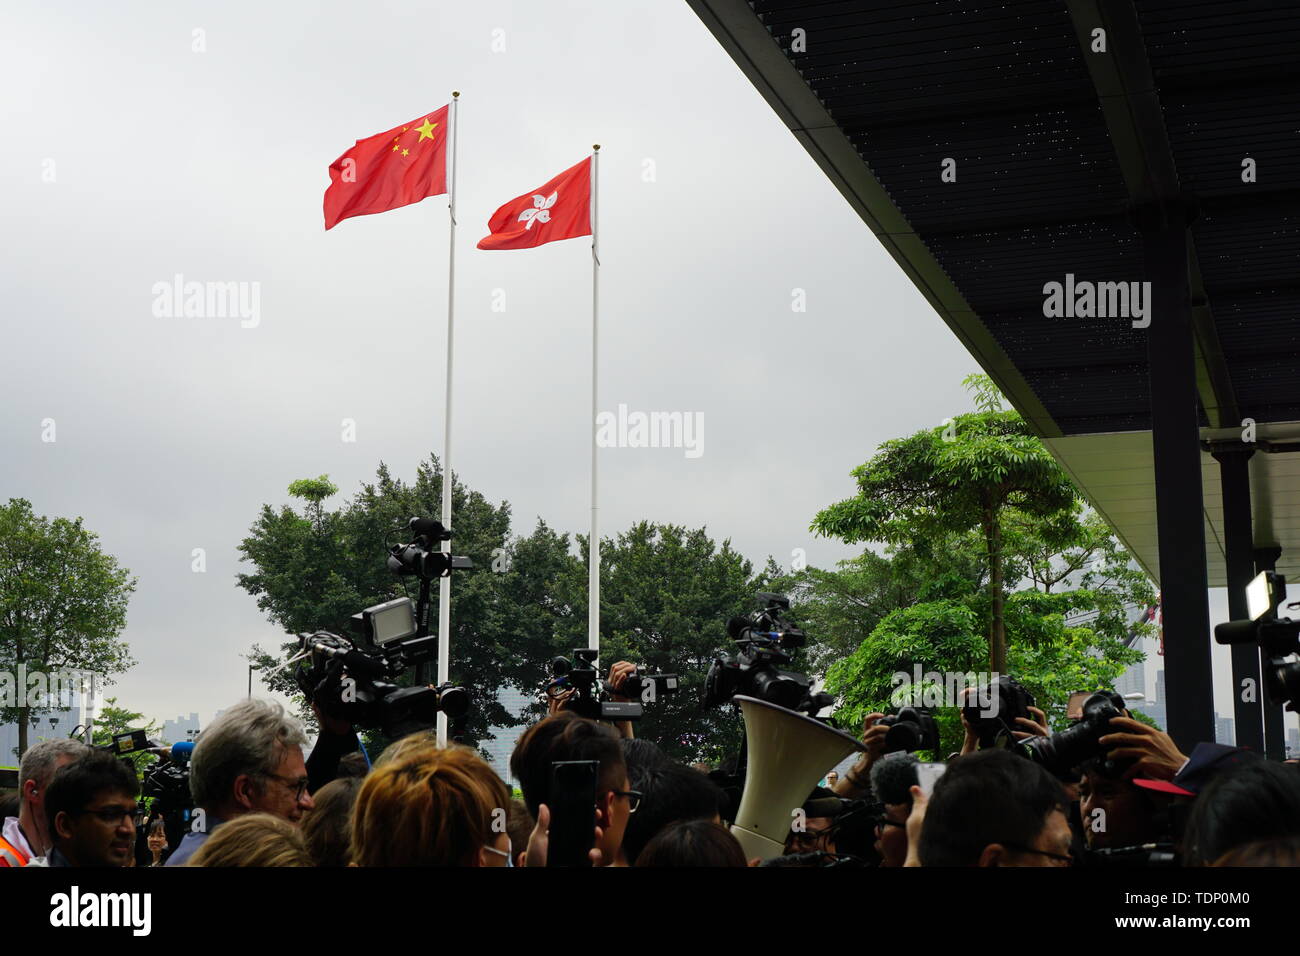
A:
[997,626]
[22,727]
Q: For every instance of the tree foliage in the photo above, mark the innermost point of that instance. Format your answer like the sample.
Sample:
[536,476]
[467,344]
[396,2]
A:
[954,479]
[666,595]
[63,603]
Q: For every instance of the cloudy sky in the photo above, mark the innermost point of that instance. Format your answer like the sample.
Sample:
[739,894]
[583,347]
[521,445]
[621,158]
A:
[150,140]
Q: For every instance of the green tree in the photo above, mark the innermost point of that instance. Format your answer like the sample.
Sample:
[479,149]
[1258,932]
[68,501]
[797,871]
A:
[113,719]
[63,604]
[838,606]
[949,480]
[313,571]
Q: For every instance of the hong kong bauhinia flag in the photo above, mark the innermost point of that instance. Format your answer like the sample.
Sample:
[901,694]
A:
[561,209]
[402,166]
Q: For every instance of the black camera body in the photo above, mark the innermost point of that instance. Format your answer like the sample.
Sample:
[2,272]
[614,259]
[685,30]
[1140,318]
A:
[580,676]
[994,726]
[910,730]
[421,556]
[756,670]
[167,784]
[648,687]
[1278,638]
[1062,752]
[353,678]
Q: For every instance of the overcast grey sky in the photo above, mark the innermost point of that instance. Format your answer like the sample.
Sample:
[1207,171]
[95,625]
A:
[172,432]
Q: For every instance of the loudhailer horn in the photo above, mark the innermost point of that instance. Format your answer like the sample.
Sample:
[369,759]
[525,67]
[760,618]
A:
[788,753]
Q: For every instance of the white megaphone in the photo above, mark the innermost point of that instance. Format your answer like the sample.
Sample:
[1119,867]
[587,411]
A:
[787,753]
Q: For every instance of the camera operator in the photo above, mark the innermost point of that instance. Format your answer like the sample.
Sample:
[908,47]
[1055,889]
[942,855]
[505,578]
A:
[856,782]
[1114,811]
[618,675]
[1035,727]
[28,835]
[995,808]
[337,739]
[248,760]
[1153,752]
[892,780]
[566,736]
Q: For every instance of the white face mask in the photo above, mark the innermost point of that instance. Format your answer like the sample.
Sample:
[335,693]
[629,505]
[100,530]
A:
[508,853]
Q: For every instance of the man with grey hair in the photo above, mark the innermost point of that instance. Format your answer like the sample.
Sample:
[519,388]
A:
[250,760]
[28,834]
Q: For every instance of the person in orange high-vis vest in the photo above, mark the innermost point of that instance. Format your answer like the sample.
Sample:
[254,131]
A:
[11,855]
[25,837]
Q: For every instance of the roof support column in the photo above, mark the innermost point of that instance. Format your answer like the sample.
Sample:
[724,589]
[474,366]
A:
[1274,729]
[1176,447]
[1239,545]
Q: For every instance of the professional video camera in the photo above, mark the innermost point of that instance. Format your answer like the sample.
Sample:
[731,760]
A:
[353,677]
[167,782]
[911,729]
[764,642]
[1278,637]
[1062,752]
[580,675]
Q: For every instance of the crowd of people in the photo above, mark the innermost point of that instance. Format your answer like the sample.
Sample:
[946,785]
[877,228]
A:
[258,801]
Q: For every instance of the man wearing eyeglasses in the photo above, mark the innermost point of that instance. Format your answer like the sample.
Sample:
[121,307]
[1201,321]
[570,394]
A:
[249,760]
[90,805]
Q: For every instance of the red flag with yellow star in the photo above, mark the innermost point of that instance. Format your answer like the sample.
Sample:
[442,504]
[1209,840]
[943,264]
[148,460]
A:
[402,166]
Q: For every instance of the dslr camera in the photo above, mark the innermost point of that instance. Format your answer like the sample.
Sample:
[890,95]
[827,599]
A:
[911,729]
[1061,753]
[764,643]
[993,726]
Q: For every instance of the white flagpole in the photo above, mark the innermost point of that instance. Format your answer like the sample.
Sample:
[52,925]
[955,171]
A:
[444,583]
[593,549]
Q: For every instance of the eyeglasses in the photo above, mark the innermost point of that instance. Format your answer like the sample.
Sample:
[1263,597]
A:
[1056,857]
[298,786]
[633,798]
[112,814]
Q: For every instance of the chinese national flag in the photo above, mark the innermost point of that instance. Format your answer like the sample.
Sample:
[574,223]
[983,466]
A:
[404,165]
[559,210]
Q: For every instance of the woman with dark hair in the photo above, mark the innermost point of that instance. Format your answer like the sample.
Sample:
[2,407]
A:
[1257,801]
[693,843]
[157,842]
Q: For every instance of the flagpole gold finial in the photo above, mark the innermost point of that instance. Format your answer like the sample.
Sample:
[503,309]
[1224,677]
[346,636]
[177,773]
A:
[455,94]
[596,147]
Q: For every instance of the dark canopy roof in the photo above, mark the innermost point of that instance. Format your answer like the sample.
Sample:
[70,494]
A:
[1054,145]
